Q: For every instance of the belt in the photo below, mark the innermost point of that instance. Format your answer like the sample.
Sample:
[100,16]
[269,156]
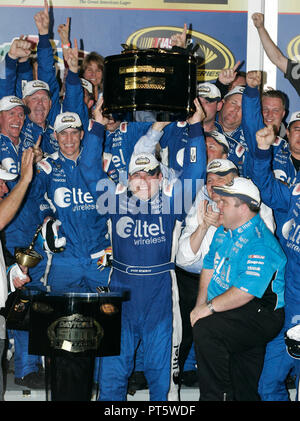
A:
[143,270]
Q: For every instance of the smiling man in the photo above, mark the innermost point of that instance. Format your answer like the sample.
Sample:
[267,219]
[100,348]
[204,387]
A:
[69,133]
[144,232]
[241,297]
[42,95]
[36,96]
[12,116]
[62,176]
[273,108]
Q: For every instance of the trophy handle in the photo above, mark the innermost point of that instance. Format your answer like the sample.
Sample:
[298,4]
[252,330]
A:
[39,229]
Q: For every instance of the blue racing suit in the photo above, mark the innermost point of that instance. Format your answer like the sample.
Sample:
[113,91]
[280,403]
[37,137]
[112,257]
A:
[17,233]
[173,142]
[74,98]
[46,72]
[84,228]
[14,73]
[119,146]
[20,234]
[282,163]
[144,240]
[279,196]
[64,181]
[241,141]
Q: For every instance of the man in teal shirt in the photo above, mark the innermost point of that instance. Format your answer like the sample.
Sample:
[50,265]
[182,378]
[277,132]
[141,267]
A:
[240,303]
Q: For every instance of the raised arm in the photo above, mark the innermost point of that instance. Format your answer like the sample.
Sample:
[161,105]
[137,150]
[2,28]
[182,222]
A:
[45,59]
[19,49]
[274,193]
[271,49]
[74,92]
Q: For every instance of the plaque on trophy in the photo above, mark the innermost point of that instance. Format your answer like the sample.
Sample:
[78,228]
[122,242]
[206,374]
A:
[163,81]
[72,329]
[76,323]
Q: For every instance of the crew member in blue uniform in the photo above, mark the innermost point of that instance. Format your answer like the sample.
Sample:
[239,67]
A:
[286,199]
[240,303]
[145,222]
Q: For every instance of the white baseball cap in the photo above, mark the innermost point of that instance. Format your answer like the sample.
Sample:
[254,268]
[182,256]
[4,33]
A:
[9,102]
[235,90]
[143,162]
[242,188]
[219,138]
[221,167]
[6,175]
[86,84]
[29,88]
[209,91]
[67,120]
[294,117]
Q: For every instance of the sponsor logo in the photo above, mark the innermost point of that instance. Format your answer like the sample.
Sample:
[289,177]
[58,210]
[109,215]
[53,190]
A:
[214,164]
[293,48]
[212,55]
[10,165]
[68,119]
[39,84]
[251,273]
[256,256]
[64,197]
[296,190]
[127,227]
[142,161]
[142,232]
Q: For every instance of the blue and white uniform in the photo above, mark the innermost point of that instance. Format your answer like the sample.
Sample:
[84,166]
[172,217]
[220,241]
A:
[66,185]
[74,98]
[242,140]
[12,76]
[282,163]
[16,74]
[173,143]
[144,241]
[119,146]
[19,234]
[46,73]
[277,195]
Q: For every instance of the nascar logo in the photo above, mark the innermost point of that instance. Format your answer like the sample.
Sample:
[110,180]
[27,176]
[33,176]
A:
[212,56]
[293,49]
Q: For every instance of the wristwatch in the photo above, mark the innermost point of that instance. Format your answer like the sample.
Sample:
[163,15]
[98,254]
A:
[210,306]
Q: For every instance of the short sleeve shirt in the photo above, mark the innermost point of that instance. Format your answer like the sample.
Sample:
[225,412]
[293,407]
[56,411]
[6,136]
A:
[293,74]
[248,258]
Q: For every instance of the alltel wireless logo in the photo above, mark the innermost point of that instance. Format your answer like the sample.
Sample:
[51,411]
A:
[212,55]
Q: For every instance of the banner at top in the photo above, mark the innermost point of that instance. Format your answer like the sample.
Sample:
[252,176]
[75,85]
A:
[210,5]
[289,6]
